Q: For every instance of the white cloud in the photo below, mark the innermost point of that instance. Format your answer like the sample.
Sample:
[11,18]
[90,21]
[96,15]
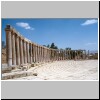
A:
[89,22]
[24,25]
[87,44]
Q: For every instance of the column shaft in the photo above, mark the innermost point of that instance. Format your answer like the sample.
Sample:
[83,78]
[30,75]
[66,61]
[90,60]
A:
[28,56]
[31,53]
[13,49]
[18,50]
[21,51]
[9,47]
[25,52]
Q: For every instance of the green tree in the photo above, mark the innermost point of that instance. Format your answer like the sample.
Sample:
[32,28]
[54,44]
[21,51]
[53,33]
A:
[48,46]
[67,48]
[53,46]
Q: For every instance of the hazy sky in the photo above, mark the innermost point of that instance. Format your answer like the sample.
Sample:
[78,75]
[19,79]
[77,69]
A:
[74,33]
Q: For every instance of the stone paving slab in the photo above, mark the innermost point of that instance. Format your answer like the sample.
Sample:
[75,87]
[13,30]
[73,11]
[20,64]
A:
[65,70]
[18,74]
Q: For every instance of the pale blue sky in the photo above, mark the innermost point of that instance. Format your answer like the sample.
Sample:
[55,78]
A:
[74,33]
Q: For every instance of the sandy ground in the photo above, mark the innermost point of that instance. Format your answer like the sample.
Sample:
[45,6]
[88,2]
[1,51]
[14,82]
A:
[66,70]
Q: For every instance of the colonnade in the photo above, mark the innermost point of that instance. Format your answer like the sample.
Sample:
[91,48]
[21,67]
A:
[21,51]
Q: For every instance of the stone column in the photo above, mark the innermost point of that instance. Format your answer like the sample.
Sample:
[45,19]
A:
[72,53]
[18,50]
[36,53]
[40,54]
[77,54]
[49,53]
[82,54]
[13,49]
[21,51]
[85,54]
[31,53]
[58,54]
[25,52]
[53,54]
[9,45]
[64,54]
[69,55]
[61,54]
[28,56]
[46,54]
[43,54]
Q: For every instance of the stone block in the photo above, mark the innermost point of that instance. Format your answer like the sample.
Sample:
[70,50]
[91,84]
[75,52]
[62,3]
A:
[35,74]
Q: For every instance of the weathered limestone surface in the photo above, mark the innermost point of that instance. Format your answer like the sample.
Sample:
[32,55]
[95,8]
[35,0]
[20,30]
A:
[22,52]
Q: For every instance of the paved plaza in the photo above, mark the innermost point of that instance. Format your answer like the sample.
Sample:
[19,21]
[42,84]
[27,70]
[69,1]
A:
[65,70]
